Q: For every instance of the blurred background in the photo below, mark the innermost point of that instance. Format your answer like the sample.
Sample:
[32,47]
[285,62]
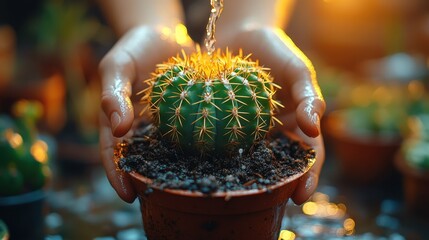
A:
[372,61]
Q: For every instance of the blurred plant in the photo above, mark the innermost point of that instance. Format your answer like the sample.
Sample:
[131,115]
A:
[24,159]
[374,108]
[62,32]
[62,26]
[416,145]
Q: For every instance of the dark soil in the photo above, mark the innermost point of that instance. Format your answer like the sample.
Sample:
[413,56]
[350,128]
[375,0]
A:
[266,164]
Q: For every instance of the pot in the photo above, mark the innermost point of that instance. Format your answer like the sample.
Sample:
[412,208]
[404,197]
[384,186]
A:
[415,186]
[23,215]
[362,159]
[244,214]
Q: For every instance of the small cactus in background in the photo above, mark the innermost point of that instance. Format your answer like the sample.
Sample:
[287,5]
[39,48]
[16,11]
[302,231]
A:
[212,103]
[24,157]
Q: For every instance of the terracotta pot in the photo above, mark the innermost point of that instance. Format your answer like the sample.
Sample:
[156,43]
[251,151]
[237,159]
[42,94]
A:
[23,215]
[179,214]
[361,159]
[415,185]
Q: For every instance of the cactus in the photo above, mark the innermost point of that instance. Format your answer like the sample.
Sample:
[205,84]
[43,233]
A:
[24,159]
[212,103]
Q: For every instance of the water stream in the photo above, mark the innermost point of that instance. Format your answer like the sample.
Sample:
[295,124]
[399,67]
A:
[216,10]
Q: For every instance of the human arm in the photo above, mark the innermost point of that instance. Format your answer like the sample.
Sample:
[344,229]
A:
[257,28]
[149,32]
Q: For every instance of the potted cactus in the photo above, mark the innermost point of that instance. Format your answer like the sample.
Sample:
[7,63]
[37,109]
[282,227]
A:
[413,162]
[205,168]
[24,171]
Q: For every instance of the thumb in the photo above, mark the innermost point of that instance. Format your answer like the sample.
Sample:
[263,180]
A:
[118,72]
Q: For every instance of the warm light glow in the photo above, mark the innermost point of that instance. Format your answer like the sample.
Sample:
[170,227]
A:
[320,197]
[416,89]
[349,225]
[14,139]
[342,206]
[321,207]
[181,34]
[287,235]
[26,107]
[332,209]
[383,95]
[310,208]
[39,151]
[165,33]
[360,97]
[203,67]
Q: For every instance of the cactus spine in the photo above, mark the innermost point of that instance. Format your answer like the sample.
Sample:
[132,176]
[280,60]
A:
[208,103]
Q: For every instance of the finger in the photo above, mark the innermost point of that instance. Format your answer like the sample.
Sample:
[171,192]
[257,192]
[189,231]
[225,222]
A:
[308,182]
[308,114]
[301,76]
[118,71]
[117,178]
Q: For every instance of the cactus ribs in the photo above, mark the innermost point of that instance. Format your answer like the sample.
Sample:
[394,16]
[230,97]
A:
[211,115]
[209,103]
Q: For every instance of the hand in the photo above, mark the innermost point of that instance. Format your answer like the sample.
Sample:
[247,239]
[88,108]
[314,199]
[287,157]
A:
[123,71]
[300,93]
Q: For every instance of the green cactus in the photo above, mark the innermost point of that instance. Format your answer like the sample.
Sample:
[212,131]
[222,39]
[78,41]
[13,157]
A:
[210,103]
[24,158]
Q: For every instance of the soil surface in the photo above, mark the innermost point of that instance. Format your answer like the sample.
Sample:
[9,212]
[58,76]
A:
[266,164]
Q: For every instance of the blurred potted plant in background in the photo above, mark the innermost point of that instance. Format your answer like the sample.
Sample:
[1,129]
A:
[63,33]
[366,130]
[24,171]
[413,162]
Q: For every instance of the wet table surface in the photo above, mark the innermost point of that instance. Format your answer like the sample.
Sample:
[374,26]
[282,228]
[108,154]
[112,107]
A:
[82,205]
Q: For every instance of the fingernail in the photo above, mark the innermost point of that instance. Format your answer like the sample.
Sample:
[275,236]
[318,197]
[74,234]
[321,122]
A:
[115,120]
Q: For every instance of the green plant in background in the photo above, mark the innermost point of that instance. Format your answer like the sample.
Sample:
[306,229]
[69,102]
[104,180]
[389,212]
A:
[24,158]
[62,33]
[62,26]
[416,146]
[213,102]
[375,119]
[382,109]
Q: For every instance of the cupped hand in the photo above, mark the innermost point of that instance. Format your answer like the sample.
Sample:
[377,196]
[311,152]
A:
[123,71]
[300,93]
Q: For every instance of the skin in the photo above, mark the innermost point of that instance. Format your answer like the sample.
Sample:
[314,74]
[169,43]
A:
[148,35]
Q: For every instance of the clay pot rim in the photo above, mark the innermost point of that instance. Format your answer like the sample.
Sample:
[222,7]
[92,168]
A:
[23,198]
[406,169]
[234,193]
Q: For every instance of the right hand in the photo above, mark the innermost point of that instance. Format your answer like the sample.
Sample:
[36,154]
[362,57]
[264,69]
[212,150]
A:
[123,71]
